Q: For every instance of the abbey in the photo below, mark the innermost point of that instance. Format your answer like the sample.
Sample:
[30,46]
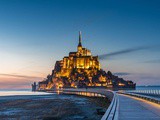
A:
[81,69]
[80,60]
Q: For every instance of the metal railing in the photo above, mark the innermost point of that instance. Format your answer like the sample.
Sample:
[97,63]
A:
[113,109]
[83,93]
[150,95]
[149,92]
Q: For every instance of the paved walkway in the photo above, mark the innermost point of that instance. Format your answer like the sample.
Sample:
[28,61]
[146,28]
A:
[132,108]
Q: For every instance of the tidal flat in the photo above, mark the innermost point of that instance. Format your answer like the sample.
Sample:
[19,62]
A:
[51,107]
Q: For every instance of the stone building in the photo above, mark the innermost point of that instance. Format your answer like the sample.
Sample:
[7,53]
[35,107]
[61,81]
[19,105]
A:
[82,59]
[82,69]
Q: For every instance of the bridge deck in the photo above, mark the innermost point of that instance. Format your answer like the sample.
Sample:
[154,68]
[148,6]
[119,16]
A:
[132,108]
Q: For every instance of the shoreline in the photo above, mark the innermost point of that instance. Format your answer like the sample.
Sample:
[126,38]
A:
[45,107]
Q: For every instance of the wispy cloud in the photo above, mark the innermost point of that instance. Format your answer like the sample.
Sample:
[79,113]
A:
[14,81]
[19,76]
[121,73]
[126,51]
[141,78]
[152,61]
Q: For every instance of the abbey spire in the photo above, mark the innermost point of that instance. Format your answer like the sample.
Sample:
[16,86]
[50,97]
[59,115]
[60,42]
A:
[80,39]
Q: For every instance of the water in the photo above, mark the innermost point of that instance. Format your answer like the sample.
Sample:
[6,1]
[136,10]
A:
[28,92]
[13,93]
[148,88]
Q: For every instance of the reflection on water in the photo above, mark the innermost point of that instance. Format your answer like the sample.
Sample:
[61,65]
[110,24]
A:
[13,93]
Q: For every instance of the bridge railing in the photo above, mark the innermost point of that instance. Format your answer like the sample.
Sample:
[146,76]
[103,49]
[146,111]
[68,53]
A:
[150,95]
[113,110]
[149,92]
[83,93]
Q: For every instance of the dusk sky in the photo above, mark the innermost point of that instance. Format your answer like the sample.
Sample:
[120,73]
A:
[36,33]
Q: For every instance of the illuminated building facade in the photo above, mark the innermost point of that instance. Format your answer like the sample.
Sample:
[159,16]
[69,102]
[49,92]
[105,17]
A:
[81,69]
[80,60]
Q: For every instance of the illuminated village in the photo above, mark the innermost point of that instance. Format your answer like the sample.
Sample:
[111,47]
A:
[81,69]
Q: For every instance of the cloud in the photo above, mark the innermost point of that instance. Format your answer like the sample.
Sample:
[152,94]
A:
[152,61]
[14,81]
[143,78]
[125,51]
[19,76]
[121,73]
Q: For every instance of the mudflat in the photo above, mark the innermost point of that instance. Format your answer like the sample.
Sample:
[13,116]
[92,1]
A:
[51,107]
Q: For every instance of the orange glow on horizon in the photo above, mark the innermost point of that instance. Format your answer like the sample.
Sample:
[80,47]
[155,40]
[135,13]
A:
[13,82]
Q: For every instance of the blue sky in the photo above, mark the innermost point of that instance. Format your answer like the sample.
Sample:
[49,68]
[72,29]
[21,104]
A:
[36,33]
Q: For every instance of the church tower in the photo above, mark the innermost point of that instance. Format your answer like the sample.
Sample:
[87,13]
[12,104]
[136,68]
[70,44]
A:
[79,47]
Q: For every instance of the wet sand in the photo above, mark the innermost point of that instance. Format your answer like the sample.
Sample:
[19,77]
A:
[51,107]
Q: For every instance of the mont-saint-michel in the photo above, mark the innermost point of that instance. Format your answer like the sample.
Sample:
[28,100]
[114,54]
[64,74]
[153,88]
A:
[50,71]
[81,69]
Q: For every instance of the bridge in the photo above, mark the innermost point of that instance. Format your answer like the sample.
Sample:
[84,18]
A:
[125,105]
